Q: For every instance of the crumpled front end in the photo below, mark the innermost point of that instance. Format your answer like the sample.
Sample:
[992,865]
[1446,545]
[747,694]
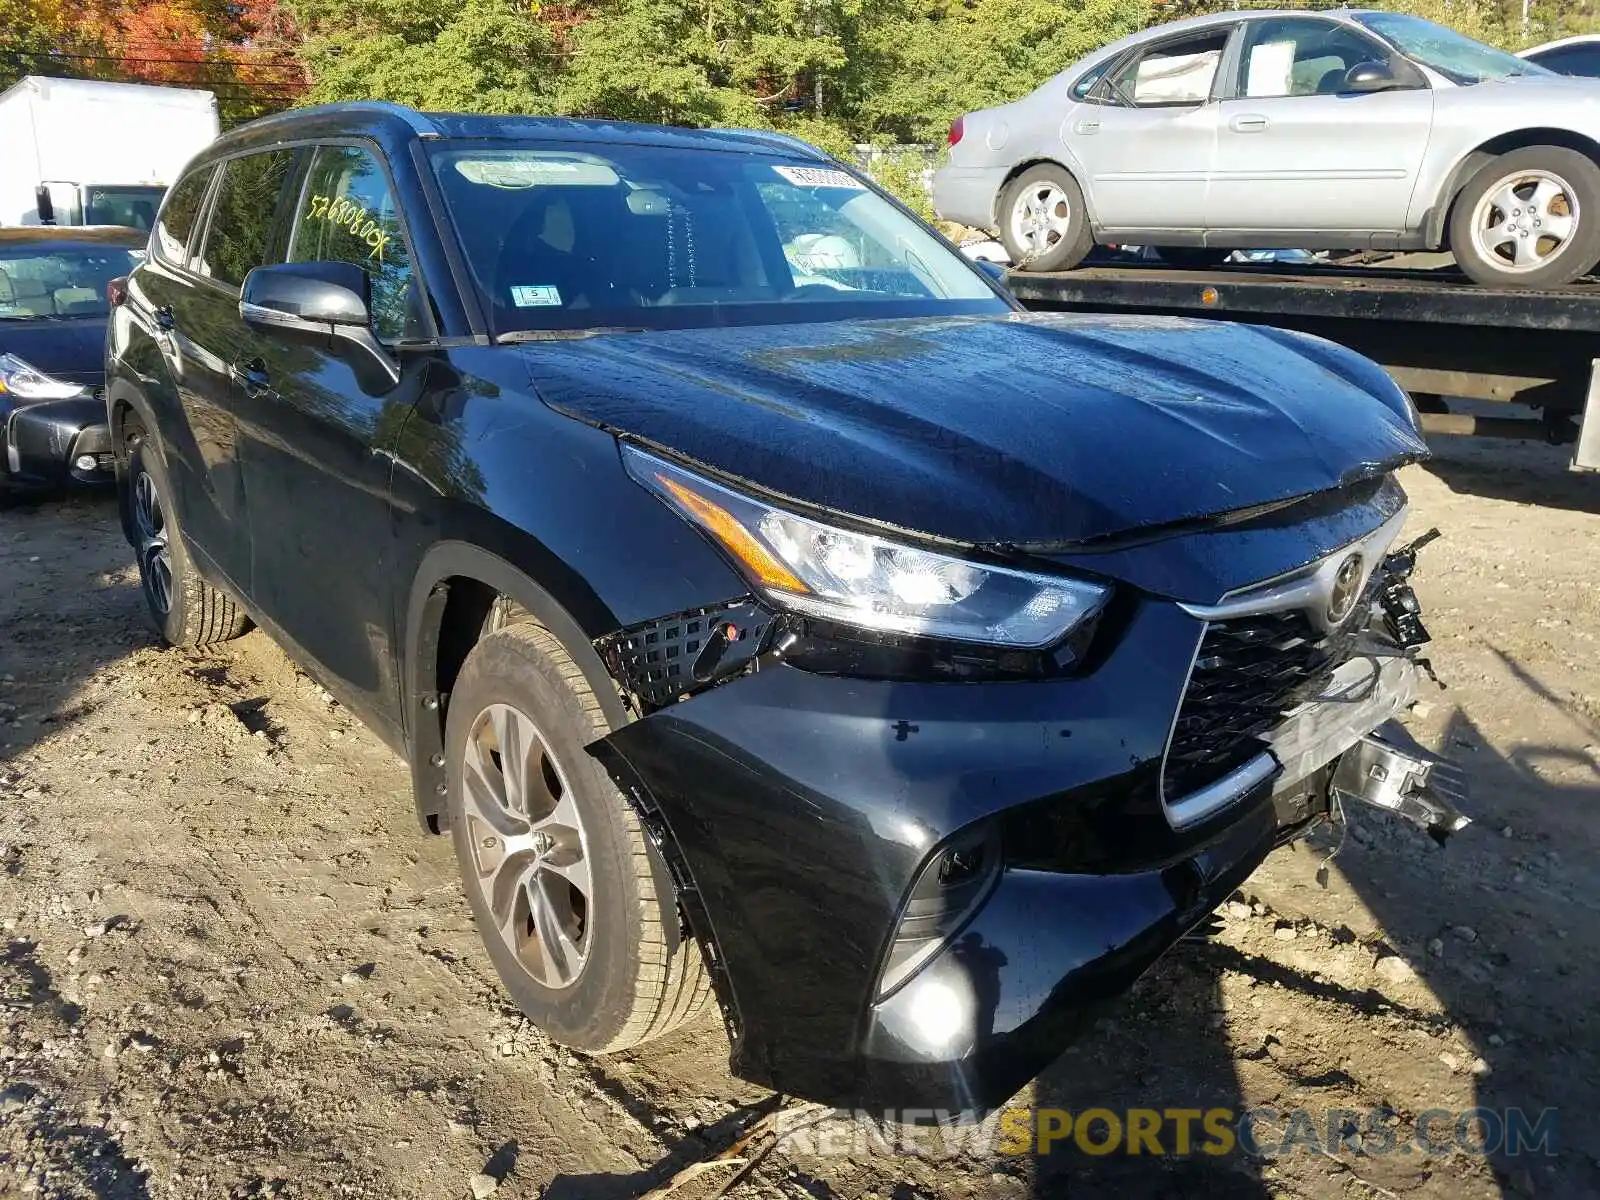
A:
[915,891]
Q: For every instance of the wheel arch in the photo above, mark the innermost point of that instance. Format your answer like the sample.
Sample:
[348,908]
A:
[123,401]
[452,596]
[1041,160]
[1437,226]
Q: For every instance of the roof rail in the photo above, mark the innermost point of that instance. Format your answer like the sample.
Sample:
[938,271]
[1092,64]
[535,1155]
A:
[418,123]
[786,141]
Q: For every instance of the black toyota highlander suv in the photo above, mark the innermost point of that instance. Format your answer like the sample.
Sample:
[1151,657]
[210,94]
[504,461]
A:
[769,609]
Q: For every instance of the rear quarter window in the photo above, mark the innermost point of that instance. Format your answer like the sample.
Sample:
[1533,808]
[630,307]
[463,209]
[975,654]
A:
[175,228]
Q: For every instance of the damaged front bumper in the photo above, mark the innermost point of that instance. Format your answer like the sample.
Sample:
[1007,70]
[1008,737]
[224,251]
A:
[804,816]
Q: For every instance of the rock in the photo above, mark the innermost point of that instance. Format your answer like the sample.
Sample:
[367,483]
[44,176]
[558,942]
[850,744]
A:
[508,1049]
[1506,832]
[1394,968]
[1436,947]
[98,929]
[33,794]
[1479,1067]
[1496,1040]
[483,1186]
[1450,1060]
[1284,933]
[1465,932]
[1237,910]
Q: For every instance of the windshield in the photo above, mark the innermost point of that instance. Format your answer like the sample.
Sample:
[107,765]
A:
[59,281]
[132,206]
[1458,58]
[642,237]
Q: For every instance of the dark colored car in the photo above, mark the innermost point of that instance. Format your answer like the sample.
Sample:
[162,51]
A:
[53,308]
[767,607]
[1569,56]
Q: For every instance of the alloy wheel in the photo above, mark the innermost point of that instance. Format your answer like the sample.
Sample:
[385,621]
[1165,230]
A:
[530,853]
[1525,220]
[1041,218]
[155,555]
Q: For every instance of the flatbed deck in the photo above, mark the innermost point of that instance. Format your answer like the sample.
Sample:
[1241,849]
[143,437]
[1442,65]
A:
[1437,333]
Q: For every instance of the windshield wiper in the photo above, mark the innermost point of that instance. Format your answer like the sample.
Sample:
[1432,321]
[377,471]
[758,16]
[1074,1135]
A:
[563,335]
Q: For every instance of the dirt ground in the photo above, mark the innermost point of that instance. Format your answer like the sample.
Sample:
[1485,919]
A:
[233,967]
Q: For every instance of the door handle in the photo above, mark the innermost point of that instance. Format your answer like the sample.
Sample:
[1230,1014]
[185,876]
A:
[1248,123]
[1086,127]
[252,378]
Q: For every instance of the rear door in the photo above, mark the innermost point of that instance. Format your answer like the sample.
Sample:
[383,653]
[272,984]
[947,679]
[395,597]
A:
[1295,152]
[1145,134]
[318,434]
[242,232]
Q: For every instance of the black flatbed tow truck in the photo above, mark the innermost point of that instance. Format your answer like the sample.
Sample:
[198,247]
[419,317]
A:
[1438,334]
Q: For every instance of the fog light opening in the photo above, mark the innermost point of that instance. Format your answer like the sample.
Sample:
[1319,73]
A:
[951,886]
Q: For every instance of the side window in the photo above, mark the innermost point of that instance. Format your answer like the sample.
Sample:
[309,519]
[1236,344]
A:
[347,214]
[1081,89]
[1173,73]
[244,214]
[1297,57]
[176,225]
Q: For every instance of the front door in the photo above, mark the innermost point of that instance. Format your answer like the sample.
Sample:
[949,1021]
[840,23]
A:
[1296,152]
[318,425]
[1146,134]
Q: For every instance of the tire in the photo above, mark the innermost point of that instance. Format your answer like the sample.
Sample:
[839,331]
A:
[621,974]
[186,610]
[1044,223]
[1193,258]
[1553,184]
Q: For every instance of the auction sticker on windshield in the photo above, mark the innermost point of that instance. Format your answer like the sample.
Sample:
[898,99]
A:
[544,296]
[820,177]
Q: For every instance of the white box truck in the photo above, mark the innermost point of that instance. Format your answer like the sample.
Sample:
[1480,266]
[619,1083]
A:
[83,152]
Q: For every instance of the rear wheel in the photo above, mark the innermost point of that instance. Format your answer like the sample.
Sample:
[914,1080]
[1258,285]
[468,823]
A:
[574,907]
[184,608]
[1530,218]
[1044,223]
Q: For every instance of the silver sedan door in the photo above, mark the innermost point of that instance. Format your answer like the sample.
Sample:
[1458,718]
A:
[1298,152]
[1145,135]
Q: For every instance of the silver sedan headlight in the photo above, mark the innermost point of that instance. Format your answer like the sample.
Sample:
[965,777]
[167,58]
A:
[858,579]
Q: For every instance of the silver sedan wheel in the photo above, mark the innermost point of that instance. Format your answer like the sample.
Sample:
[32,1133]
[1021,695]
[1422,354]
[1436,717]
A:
[1041,218]
[529,850]
[150,529]
[1525,220]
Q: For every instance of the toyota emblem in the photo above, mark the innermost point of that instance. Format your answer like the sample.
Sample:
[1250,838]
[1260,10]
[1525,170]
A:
[1345,592]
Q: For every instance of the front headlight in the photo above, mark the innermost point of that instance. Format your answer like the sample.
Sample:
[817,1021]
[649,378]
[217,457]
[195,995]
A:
[857,579]
[28,383]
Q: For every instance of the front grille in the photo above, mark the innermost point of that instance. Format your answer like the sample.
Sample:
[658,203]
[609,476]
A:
[1248,673]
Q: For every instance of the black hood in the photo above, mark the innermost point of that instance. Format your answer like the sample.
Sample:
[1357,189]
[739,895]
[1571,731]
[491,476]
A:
[1019,429]
[70,348]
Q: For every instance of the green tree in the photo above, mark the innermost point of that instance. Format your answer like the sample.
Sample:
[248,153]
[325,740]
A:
[478,56]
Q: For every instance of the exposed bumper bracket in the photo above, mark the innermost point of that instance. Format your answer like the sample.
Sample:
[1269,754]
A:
[1388,769]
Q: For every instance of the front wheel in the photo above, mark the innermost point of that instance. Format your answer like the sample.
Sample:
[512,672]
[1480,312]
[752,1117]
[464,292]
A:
[574,907]
[1530,218]
[1044,223]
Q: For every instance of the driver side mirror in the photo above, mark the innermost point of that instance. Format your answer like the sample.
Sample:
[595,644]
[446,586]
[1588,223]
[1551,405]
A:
[1367,77]
[323,304]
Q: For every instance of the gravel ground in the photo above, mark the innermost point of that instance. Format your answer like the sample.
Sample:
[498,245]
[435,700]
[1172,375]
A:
[233,967]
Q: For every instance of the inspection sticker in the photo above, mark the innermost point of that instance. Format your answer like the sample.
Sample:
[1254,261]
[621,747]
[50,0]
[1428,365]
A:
[544,296]
[820,177]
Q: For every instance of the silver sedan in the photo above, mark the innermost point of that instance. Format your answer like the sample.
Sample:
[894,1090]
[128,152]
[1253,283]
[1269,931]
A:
[1332,130]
